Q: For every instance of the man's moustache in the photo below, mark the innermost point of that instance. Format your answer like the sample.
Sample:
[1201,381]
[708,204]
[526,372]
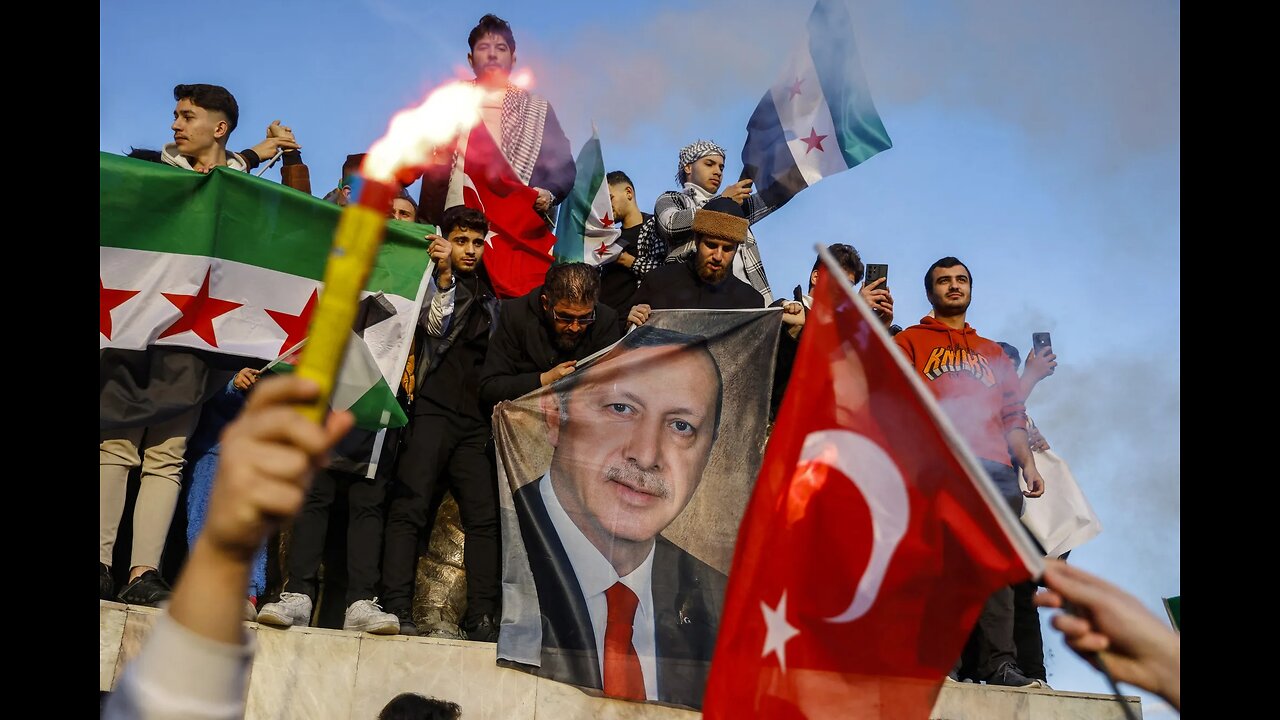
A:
[650,483]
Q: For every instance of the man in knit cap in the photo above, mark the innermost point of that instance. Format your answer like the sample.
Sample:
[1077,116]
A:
[704,280]
[699,171]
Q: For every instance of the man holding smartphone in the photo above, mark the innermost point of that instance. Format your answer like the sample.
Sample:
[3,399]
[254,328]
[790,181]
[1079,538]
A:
[875,291]
[700,170]
[977,386]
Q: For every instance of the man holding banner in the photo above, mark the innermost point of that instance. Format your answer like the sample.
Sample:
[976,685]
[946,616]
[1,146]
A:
[704,280]
[622,608]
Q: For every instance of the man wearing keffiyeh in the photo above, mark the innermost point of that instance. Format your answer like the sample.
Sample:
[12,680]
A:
[700,169]
[523,125]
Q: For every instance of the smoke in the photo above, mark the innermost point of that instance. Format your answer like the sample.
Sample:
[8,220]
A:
[1116,422]
[1095,79]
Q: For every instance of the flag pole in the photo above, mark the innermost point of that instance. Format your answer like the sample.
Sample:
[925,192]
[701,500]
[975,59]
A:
[1115,689]
[270,163]
[1095,658]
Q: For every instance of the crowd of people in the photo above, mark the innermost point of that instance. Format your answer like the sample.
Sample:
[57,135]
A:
[696,250]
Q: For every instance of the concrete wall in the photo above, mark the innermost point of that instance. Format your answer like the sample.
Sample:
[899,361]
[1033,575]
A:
[318,673]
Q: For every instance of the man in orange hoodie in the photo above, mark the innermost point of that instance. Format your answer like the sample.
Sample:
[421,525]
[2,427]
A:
[977,386]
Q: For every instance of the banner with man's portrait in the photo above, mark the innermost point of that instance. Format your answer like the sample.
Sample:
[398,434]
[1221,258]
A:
[621,487]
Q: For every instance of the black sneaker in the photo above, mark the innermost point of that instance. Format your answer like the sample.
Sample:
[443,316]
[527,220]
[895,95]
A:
[407,625]
[1010,676]
[482,630]
[106,583]
[148,589]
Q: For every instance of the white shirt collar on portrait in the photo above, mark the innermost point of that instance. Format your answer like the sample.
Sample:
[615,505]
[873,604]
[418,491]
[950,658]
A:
[596,575]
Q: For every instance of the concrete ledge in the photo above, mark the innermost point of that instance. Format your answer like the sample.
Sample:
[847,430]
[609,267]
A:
[321,673]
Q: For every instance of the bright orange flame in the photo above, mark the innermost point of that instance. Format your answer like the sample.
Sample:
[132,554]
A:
[522,78]
[414,134]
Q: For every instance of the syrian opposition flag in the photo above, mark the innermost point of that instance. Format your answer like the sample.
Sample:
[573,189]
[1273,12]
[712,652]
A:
[818,119]
[228,264]
[586,230]
[519,241]
[360,386]
[870,544]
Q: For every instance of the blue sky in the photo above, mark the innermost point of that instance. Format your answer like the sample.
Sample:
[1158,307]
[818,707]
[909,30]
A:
[1038,142]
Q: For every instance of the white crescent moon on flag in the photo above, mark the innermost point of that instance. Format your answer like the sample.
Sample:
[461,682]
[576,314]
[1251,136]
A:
[468,184]
[878,479]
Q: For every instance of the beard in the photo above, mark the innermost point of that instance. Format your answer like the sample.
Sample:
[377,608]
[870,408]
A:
[950,306]
[710,275]
[566,342]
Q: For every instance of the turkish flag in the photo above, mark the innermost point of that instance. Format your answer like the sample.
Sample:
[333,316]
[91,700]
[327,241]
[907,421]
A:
[519,242]
[871,541]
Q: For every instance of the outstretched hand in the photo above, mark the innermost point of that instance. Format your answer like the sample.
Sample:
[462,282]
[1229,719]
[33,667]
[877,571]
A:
[1106,625]
[267,459]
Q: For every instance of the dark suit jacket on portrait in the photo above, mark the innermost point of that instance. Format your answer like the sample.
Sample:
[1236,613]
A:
[688,598]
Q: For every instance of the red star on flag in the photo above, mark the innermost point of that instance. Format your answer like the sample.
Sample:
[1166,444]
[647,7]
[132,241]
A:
[602,249]
[198,312]
[295,326]
[606,220]
[108,300]
[814,141]
[794,90]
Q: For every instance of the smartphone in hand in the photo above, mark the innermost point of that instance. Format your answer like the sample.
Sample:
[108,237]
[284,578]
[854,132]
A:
[1040,341]
[875,272]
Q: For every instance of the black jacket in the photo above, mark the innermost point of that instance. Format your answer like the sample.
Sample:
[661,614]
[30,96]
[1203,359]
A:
[521,348]
[677,286]
[688,600]
[447,369]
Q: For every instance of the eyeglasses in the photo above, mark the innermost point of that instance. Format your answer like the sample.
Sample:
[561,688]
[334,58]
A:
[569,320]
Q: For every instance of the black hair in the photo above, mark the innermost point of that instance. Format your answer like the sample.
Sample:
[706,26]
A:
[211,97]
[946,262]
[575,282]
[491,24]
[461,216]
[1011,351]
[412,706]
[848,258]
[617,177]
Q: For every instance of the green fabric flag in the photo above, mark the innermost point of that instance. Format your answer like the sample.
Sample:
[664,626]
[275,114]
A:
[233,264]
[586,230]
[1173,606]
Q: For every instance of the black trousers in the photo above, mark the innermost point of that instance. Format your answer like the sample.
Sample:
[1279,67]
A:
[364,534]
[991,643]
[1026,630]
[456,451]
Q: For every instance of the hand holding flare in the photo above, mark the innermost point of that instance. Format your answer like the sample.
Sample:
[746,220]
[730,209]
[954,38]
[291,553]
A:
[414,135]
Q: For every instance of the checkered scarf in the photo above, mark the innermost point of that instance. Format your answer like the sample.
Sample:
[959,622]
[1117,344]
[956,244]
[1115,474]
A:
[523,118]
[693,152]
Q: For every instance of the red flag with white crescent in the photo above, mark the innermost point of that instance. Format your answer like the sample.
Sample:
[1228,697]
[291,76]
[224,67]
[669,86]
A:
[519,242]
[871,541]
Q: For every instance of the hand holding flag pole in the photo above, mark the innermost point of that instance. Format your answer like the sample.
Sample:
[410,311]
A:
[270,163]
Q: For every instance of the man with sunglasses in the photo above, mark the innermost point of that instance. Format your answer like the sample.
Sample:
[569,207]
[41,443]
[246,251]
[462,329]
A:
[541,336]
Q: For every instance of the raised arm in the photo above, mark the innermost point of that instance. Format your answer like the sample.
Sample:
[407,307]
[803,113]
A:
[196,659]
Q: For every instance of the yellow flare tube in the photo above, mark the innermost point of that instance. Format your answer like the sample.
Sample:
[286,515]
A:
[355,245]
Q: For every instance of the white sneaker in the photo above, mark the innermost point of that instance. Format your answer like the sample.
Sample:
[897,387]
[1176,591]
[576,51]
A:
[367,616]
[292,609]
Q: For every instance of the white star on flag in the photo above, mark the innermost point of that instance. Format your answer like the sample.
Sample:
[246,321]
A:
[779,630]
